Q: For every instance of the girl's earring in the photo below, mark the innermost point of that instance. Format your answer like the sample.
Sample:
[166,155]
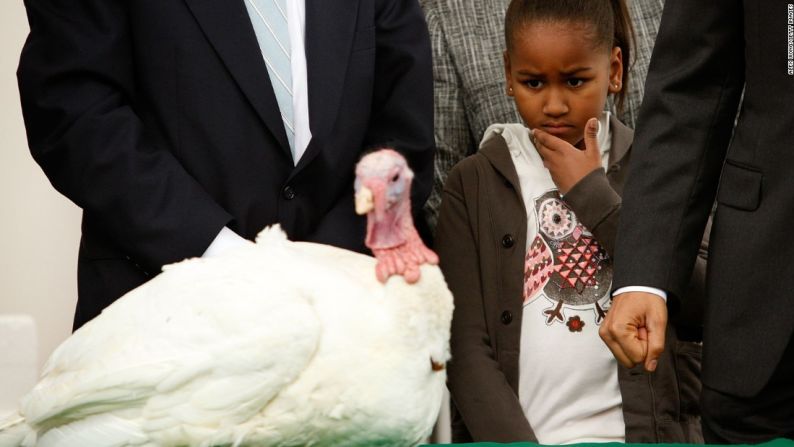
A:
[510,91]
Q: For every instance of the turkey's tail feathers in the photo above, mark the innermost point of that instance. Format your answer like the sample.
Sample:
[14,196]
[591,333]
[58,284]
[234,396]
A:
[271,235]
[15,432]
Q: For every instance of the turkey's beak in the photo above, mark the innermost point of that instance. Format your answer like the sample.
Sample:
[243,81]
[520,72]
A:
[364,201]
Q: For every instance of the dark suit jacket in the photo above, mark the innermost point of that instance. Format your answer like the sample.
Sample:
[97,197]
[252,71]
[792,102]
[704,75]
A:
[158,119]
[706,52]
[481,242]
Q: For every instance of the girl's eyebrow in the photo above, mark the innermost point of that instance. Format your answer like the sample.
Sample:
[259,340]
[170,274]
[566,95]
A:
[571,72]
[531,73]
[574,71]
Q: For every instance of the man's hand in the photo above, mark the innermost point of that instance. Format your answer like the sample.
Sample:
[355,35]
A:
[634,328]
[567,164]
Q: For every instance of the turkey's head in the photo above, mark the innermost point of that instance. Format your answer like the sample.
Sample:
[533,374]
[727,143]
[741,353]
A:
[383,193]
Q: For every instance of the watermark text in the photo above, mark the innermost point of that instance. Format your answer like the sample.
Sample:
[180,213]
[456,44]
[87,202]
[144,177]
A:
[790,39]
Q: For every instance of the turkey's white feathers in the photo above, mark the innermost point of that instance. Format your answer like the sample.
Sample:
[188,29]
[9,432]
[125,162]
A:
[101,429]
[14,431]
[273,343]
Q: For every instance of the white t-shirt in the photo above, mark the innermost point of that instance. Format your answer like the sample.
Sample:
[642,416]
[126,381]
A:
[568,384]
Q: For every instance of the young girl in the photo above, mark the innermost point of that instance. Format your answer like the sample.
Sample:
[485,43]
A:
[525,233]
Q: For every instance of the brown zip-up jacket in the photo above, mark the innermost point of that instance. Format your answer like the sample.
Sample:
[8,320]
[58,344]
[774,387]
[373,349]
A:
[481,240]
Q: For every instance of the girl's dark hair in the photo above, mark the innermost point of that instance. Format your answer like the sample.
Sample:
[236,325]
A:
[610,22]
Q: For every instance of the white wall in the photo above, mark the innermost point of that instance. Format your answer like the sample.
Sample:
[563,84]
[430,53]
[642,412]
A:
[39,228]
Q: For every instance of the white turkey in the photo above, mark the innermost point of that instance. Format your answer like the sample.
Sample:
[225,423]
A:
[275,343]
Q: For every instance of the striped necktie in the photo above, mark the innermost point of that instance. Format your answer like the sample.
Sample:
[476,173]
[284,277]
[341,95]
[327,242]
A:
[269,18]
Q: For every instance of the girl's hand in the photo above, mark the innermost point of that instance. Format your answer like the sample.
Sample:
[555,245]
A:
[567,164]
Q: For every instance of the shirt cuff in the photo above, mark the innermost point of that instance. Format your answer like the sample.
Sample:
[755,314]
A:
[653,290]
[225,240]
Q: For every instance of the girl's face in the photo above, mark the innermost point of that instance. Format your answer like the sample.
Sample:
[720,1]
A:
[559,78]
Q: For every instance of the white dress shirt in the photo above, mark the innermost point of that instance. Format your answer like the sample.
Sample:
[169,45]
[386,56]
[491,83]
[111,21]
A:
[658,292]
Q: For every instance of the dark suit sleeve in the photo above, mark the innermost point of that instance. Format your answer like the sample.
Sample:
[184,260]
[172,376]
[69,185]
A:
[692,93]
[77,86]
[402,112]
[482,395]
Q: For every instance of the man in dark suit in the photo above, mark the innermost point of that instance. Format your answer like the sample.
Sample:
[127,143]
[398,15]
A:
[159,119]
[708,52]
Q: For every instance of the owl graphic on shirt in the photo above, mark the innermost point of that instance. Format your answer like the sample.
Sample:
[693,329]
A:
[566,266]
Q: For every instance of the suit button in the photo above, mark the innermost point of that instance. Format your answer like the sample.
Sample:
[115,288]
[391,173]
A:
[288,193]
[508,241]
[614,168]
[507,317]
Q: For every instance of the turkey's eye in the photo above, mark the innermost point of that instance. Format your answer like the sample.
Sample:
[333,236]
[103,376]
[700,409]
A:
[395,178]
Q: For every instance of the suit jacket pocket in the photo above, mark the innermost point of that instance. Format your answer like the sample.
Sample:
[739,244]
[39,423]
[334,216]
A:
[740,186]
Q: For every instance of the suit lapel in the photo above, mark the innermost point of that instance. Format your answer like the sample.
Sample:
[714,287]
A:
[330,28]
[228,28]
